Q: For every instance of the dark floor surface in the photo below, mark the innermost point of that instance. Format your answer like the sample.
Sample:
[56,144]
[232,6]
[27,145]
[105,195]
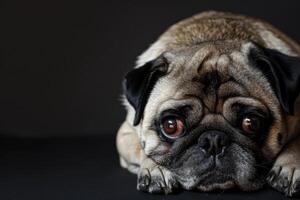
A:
[80,168]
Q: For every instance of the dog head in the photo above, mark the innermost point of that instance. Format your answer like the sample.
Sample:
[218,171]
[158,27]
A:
[214,114]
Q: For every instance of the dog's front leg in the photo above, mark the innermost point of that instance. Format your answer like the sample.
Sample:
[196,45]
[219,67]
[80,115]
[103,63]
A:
[153,178]
[285,174]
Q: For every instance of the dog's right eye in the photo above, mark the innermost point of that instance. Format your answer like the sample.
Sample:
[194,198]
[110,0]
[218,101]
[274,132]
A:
[172,127]
[250,125]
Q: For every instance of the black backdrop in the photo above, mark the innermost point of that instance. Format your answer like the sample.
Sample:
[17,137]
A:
[62,64]
[63,61]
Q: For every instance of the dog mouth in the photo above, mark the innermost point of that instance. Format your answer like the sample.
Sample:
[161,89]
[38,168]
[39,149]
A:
[221,178]
[234,168]
[214,176]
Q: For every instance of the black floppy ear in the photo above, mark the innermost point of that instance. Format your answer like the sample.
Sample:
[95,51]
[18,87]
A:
[282,71]
[139,83]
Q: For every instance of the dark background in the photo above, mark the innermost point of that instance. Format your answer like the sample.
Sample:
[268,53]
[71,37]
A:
[62,64]
[63,61]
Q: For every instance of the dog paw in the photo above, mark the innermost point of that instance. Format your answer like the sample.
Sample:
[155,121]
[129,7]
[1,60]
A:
[156,180]
[285,179]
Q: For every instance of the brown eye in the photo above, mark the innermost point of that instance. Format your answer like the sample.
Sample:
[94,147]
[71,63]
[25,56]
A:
[250,125]
[173,127]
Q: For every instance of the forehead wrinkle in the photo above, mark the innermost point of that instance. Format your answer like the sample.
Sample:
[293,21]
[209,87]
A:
[230,88]
[203,61]
[222,65]
[199,58]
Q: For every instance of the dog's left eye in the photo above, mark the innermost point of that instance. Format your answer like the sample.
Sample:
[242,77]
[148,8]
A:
[172,127]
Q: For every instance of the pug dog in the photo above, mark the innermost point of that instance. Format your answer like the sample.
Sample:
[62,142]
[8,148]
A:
[212,105]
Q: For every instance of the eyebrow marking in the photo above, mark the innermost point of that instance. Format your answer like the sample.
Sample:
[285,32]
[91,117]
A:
[193,96]
[198,98]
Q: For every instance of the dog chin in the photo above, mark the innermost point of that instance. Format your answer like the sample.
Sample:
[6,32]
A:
[215,181]
[229,184]
[216,186]
[219,180]
[207,186]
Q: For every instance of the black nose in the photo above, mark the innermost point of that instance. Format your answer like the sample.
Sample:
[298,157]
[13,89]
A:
[213,142]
